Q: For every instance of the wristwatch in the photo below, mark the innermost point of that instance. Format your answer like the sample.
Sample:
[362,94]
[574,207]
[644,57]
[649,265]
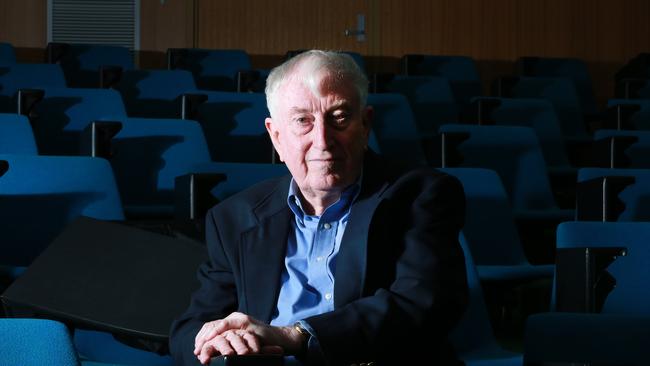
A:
[305,339]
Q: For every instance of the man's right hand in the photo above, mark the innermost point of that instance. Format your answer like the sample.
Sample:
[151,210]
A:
[241,334]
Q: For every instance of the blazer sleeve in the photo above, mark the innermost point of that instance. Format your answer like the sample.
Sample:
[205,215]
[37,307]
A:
[427,290]
[215,298]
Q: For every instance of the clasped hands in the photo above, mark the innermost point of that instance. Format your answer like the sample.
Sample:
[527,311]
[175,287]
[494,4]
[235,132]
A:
[240,334]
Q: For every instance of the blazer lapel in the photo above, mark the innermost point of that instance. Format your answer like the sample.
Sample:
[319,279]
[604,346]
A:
[263,249]
[349,278]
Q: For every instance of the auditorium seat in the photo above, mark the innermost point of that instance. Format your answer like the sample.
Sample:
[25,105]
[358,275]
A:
[614,330]
[25,341]
[473,337]
[514,153]
[82,63]
[233,124]
[7,54]
[26,76]
[40,195]
[213,69]
[395,128]
[573,69]
[16,136]
[561,92]
[62,114]
[147,154]
[490,231]
[154,93]
[431,100]
[461,71]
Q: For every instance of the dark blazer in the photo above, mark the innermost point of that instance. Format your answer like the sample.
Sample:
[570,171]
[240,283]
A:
[400,283]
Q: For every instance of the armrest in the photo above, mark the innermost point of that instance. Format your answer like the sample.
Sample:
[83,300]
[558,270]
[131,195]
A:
[596,339]
[597,199]
[617,117]
[450,156]
[27,100]
[192,193]
[190,104]
[479,110]
[109,76]
[96,138]
[612,151]
[628,88]
[582,280]
[248,360]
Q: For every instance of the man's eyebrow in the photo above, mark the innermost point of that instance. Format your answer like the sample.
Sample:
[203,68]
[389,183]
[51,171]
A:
[298,110]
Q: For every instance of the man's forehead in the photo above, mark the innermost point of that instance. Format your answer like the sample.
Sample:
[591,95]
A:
[298,90]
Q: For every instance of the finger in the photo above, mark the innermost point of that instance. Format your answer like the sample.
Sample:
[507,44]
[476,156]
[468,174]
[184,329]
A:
[207,332]
[252,341]
[207,352]
[272,350]
[237,343]
[223,345]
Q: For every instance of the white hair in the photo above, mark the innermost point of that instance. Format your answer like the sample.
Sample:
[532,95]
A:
[314,65]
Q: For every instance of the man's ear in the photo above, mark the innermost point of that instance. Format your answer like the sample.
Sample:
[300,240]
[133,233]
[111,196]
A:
[274,134]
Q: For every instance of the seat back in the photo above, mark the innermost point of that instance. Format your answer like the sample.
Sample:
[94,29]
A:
[7,54]
[40,195]
[461,71]
[233,124]
[63,114]
[240,176]
[489,232]
[81,62]
[562,94]
[514,153]
[148,155]
[29,76]
[431,100]
[36,342]
[16,136]
[474,331]
[539,114]
[395,128]
[212,69]
[154,93]
[573,69]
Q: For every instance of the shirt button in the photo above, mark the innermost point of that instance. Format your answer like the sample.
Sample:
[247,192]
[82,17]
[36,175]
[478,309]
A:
[327,225]
[328,296]
[318,259]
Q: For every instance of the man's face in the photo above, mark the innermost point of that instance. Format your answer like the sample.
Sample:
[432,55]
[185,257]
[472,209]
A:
[321,138]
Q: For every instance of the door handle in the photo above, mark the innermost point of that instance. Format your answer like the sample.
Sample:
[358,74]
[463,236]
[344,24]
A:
[360,31]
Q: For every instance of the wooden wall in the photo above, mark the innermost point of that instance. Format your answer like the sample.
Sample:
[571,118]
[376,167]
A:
[605,33]
[24,24]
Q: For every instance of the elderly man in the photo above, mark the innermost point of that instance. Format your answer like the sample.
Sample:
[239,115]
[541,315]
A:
[349,260]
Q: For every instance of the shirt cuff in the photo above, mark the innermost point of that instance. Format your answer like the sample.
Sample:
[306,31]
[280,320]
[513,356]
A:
[314,354]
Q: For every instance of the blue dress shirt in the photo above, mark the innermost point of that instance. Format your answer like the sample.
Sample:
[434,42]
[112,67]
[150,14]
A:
[314,241]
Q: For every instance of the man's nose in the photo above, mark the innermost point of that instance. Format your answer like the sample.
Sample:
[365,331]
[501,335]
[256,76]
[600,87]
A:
[322,135]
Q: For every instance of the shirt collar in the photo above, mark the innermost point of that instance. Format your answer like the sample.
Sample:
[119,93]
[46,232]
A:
[334,211]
